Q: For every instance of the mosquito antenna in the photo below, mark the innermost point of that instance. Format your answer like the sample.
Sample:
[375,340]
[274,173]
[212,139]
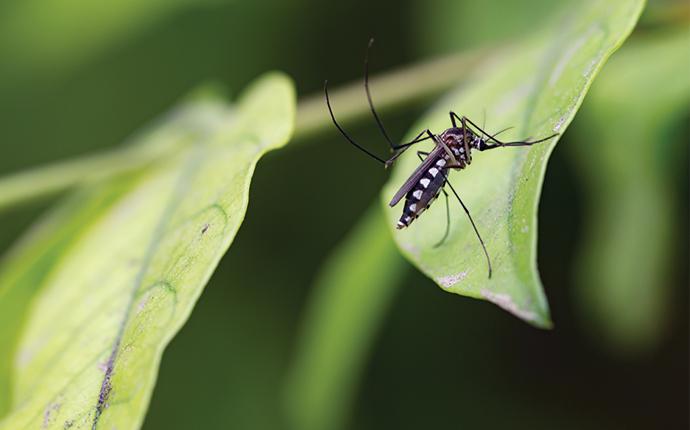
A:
[371,103]
[343,132]
[499,132]
[488,136]
[480,129]
[486,253]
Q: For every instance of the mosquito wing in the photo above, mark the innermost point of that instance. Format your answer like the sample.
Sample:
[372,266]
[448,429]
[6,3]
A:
[414,178]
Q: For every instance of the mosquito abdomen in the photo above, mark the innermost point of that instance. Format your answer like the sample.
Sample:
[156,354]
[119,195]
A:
[423,194]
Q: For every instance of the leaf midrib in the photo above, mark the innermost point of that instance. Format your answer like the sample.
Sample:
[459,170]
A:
[181,186]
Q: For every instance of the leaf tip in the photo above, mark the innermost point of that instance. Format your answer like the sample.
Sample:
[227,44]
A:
[269,105]
[537,315]
[272,82]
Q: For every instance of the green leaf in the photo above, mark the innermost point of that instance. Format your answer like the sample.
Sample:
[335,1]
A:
[350,298]
[536,87]
[94,294]
[630,173]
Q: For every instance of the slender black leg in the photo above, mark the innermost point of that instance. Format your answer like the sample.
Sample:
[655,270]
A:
[403,147]
[464,136]
[446,149]
[445,235]
[488,260]
[499,144]
[431,136]
[377,118]
[379,123]
[343,132]
[452,119]
[398,148]
[517,143]
[417,139]
[464,120]
[478,128]
[422,155]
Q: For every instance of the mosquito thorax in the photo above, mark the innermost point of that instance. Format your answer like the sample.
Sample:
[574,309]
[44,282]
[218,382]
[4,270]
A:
[461,142]
[455,137]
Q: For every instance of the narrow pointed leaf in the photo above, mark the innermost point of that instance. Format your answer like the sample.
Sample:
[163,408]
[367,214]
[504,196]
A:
[535,87]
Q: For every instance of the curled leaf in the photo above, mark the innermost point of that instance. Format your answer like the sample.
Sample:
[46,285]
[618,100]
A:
[116,270]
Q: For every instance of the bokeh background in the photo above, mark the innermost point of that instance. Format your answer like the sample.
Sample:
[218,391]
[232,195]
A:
[78,76]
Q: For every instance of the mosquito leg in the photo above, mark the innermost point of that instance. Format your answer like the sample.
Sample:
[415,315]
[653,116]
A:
[429,135]
[481,241]
[454,118]
[379,123]
[499,144]
[417,139]
[376,116]
[343,132]
[464,120]
[399,149]
[399,152]
[467,120]
[445,147]
[422,155]
[445,235]
[453,115]
[464,140]
[517,143]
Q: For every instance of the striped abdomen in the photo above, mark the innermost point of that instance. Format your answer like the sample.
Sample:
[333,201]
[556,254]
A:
[425,191]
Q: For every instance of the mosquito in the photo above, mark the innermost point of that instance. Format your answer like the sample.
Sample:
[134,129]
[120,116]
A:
[452,151]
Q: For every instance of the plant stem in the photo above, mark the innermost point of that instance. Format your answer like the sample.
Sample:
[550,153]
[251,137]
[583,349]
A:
[393,90]
[43,181]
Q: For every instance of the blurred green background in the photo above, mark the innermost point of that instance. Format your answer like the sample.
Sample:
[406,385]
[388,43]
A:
[79,76]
